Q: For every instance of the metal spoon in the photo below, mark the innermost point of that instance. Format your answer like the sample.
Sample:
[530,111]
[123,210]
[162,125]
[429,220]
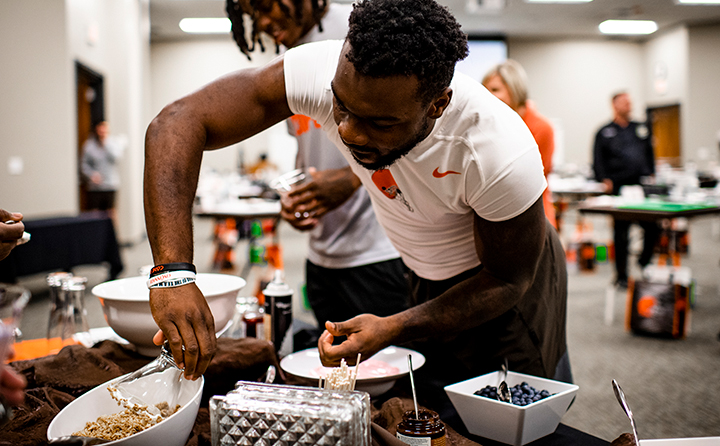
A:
[503,391]
[412,386]
[621,398]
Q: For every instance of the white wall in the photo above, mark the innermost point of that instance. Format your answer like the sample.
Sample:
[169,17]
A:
[702,127]
[666,68]
[113,38]
[179,68]
[572,81]
[37,124]
[39,42]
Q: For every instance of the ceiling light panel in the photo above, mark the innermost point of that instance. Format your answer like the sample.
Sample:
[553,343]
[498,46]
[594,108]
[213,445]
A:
[698,2]
[558,1]
[215,25]
[628,27]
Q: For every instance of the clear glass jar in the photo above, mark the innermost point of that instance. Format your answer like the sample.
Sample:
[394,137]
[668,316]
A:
[59,322]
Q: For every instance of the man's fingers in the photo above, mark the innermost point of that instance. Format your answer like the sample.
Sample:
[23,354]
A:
[338,328]
[208,347]
[175,341]
[6,216]
[159,338]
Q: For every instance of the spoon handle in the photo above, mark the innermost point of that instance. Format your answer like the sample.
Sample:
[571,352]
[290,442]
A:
[412,385]
[620,395]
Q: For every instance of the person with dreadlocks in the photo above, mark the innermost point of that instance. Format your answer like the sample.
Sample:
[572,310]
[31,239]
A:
[352,268]
[454,175]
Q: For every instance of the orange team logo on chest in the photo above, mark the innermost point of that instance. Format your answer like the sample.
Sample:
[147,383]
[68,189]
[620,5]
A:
[301,124]
[384,181]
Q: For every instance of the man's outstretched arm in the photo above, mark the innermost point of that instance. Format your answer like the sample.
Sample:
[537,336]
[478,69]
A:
[224,112]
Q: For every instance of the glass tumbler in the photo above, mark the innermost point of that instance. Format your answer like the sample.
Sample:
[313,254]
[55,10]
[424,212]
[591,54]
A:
[60,326]
[13,300]
[286,183]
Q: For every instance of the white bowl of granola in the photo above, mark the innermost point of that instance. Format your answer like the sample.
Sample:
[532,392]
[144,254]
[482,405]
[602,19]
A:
[171,431]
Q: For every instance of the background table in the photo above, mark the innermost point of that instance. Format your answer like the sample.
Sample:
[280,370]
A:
[650,210]
[62,243]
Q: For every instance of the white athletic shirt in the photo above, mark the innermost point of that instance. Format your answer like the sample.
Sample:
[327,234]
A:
[349,235]
[479,158]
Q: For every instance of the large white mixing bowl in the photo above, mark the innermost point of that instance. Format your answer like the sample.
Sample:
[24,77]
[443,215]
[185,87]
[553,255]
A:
[126,306]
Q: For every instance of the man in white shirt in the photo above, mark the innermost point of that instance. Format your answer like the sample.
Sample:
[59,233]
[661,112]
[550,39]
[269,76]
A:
[352,268]
[455,178]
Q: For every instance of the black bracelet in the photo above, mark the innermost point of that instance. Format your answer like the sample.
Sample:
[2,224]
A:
[167,267]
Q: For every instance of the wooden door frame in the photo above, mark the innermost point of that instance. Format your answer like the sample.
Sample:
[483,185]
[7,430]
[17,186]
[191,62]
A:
[89,112]
[677,160]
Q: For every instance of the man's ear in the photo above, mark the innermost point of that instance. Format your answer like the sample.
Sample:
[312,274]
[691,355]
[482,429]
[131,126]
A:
[438,106]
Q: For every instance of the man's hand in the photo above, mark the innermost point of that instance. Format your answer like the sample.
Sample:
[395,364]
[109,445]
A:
[96,178]
[366,334]
[10,233]
[183,315]
[328,189]
[608,185]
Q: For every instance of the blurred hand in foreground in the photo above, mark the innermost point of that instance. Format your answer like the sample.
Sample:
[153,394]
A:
[10,233]
[12,386]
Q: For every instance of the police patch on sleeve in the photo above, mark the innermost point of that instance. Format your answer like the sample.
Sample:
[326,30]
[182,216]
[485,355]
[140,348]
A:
[642,131]
[609,132]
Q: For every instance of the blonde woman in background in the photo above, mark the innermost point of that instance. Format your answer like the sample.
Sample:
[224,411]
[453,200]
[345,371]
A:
[508,82]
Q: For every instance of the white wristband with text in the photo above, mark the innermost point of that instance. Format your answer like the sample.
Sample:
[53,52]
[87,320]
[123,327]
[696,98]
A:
[170,277]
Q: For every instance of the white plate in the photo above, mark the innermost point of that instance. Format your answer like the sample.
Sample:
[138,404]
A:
[303,364]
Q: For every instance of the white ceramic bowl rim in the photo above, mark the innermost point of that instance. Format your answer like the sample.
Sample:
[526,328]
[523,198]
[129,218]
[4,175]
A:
[134,289]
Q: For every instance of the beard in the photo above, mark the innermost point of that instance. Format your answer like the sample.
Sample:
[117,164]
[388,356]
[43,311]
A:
[387,160]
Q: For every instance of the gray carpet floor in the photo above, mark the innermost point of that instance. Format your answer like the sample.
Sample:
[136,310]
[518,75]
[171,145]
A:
[673,386]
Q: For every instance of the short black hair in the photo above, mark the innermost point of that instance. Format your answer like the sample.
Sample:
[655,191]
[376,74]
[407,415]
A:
[408,38]
[237,9]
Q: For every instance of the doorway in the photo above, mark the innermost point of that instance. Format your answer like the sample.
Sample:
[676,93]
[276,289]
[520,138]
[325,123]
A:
[665,124]
[90,110]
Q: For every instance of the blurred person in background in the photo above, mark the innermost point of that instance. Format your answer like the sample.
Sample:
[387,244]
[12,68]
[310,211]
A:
[622,155]
[352,268]
[99,169]
[12,385]
[508,82]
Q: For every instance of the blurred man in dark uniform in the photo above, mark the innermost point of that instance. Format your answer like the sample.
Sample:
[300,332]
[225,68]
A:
[623,153]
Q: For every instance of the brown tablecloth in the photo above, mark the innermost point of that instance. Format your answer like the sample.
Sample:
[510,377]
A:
[54,381]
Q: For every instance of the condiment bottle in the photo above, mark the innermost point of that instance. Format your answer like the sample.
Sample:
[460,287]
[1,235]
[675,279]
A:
[253,318]
[424,429]
[278,315]
[247,319]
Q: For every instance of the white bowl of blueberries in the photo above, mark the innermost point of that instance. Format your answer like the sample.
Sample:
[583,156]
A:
[538,406]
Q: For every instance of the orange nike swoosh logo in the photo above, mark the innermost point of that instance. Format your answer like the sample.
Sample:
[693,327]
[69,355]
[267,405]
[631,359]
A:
[437,173]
